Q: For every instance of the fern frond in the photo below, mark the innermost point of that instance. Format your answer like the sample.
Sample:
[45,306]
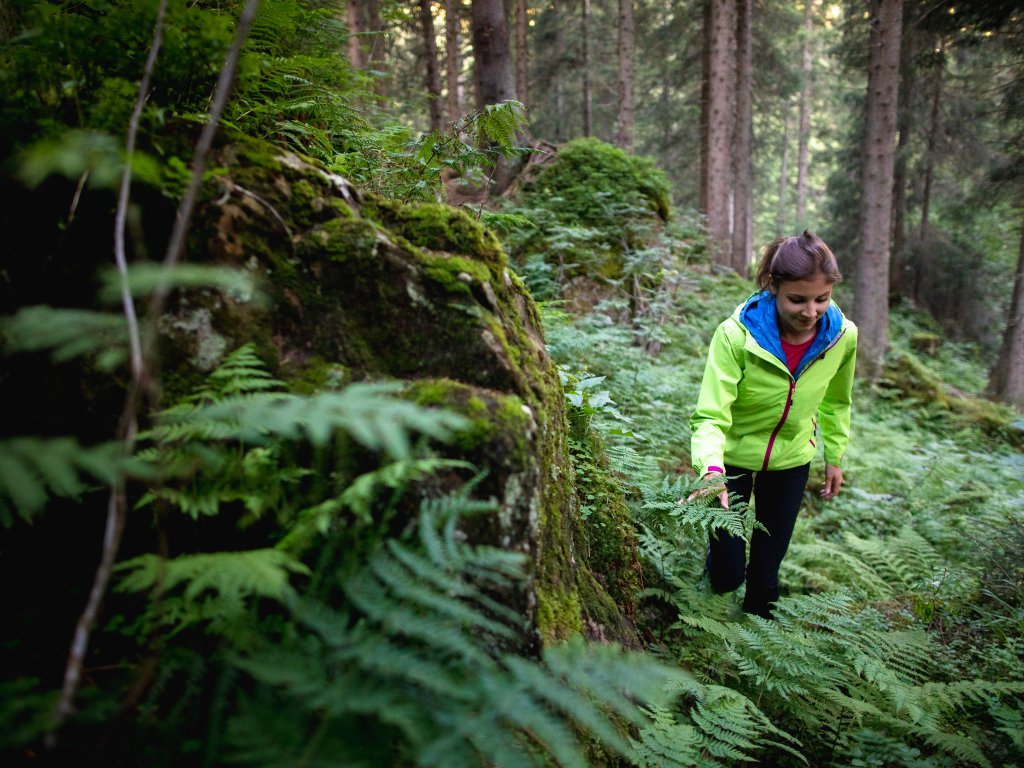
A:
[960,747]
[67,334]
[663,512]
[418,653]
[32,470]
[368,412]
[213,587]
[667,743]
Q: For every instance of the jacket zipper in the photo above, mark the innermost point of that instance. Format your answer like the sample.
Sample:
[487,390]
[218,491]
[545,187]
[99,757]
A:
[775,432]
[789,400]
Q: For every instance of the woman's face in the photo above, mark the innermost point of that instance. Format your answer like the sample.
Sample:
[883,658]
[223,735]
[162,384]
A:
[801,303]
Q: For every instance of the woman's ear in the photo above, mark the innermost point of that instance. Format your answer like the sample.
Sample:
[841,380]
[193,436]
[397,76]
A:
[772,286]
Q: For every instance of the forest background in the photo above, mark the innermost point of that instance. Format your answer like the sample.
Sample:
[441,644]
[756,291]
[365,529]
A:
[350,349]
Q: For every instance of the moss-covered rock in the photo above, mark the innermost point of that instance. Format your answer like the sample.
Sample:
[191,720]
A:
[359,287]
[589,178]
[908,377]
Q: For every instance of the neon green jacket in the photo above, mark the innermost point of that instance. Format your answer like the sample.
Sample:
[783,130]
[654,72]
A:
[752,413]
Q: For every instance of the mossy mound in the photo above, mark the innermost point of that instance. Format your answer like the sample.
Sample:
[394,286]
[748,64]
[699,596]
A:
[589,179]
[358,287]
[910,379]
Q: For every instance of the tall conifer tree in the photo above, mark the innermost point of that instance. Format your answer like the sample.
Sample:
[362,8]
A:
[871,288]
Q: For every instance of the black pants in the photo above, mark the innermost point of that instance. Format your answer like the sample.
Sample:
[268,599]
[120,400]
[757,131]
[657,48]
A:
[777,497]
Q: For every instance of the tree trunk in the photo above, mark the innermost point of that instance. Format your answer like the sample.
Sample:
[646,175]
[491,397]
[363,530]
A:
[934,126]
[871,288]
[453,58]
[493,65]
[355,13]
[780,213]
[626,124]
[492,57]
[1006,382]
[433,74]
[522,70]
[900,267]
[803,155]
[743,220]
[588,98]
[721,118]
[705,91]
[558,83]
[377,48]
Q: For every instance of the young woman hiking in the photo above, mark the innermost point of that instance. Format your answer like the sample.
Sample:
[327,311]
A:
[778,369]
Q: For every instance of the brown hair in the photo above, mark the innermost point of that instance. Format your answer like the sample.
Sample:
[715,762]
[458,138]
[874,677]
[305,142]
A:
[796,258]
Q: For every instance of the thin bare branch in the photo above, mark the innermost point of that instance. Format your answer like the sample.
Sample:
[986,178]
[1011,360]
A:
[141,352]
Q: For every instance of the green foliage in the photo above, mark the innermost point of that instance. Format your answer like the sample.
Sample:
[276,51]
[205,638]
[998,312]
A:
[394,163]
[215,589]
[866,661]
[589,182]
[33,470]
[67,334]
[415,663]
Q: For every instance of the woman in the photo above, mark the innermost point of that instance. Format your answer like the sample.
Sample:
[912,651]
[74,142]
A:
[779,367]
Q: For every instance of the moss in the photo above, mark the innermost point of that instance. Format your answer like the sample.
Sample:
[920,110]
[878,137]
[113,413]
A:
[588,177]
[607,534]
[318,375]
[559,614]
[927,343]
[423,292]
[345,239]
[455,274]
[914,380]
[438,227]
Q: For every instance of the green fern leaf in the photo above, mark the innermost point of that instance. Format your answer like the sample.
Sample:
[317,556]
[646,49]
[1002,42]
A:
[33,470]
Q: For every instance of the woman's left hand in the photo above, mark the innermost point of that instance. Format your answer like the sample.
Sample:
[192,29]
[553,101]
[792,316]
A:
[833,482]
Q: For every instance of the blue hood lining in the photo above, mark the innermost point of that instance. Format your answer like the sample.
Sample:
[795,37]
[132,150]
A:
[759,317]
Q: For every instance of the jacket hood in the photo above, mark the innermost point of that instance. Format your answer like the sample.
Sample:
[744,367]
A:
[758,315]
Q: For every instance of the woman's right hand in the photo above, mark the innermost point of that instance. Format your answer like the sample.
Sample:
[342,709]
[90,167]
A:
[723,492]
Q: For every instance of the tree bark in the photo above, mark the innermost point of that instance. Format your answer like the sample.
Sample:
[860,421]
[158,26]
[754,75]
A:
[522,62]
[377,47]
[493,66]
[934,127]
[743,219]
[1006,381]
[900,267]
[588,98]
[626,123]
[453,58]
[780,212]
[721,118]
[355,12]
[558,82]
[705,90]
[803,156]
[492,56]
[433,73]
[871,288]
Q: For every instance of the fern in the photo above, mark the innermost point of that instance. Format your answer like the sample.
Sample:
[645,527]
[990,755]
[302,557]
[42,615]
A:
[67,334]
[368,412]
[720,726]
[824,663]
[212,588]
[416,657]
[147,278]
[33,470]
[663,512]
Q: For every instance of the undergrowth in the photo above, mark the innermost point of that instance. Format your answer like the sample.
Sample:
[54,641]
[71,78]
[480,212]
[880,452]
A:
[898,636]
